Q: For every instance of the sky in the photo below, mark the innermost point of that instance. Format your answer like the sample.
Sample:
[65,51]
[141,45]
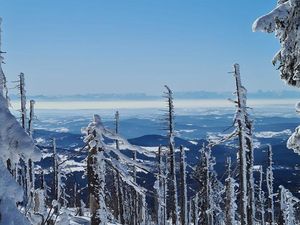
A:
[136,46]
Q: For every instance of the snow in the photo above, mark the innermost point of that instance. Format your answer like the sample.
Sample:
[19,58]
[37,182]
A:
[14,141]
[284,22]
[267,22]
[40,140]
[188,130]
[10,193]
[62,130]
[294,141]
[193,142]
[272,134]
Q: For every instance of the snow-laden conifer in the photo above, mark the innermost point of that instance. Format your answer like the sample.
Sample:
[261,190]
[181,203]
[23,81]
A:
[284,21]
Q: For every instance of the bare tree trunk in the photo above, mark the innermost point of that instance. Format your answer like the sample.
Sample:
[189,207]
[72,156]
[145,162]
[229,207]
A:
[93,185]
[3,87]
[242,152]
[172,203]
[135,197]
[117,118]
[23,101]
[261,196]
[30,163]
[183,187]
[119,188]
[270,178]
[55,176]
[120,199]
[31,118]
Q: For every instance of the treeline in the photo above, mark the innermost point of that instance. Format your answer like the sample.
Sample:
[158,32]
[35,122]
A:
[115,194]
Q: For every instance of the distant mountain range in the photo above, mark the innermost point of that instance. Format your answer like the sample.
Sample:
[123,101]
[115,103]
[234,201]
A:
[177,95]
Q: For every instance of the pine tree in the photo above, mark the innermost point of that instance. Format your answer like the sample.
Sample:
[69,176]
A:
[284,21]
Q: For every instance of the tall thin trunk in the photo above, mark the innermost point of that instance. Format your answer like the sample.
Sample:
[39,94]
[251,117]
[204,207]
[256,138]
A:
[31,118]
[121,198]
[23,101]
[30,163]
[245,153]
[3,87]
[117,118]
[118,182]
[261,196]
[55,171]
[96,182]
[56,185]
[93,184]
[161,190]
[134,194]
[230,197]
[172,204]
[183,187]
[270,178]
[196,208]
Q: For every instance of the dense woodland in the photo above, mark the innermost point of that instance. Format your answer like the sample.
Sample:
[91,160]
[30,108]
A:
[115,195]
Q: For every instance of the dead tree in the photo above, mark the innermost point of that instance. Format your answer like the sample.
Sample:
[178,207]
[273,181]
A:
[31,118]
[30,163]
[270,179]
[183,187]
[96,176]
[172,201]
[261,196]
[117,118]
[230,197]
[3,87]
[27,166]
[118,180]
[135,197]
[160,187]
[56,176]
[245,154]
[93,184]
[23,100]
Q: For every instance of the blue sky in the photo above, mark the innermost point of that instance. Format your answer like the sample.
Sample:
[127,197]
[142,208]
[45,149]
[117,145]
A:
[125,46]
